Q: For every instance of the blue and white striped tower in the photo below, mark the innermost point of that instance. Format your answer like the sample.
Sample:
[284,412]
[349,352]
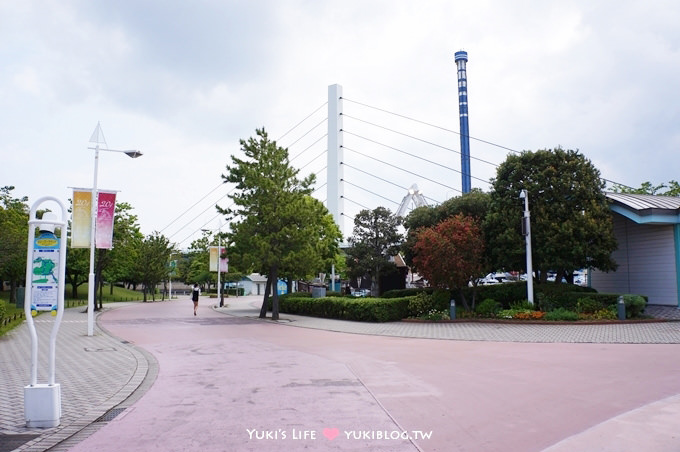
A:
[461,61]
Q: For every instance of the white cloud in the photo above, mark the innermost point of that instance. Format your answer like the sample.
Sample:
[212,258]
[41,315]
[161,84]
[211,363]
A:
[184,82]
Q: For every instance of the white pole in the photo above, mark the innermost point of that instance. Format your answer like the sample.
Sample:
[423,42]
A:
[332,277]
[219,265]
[334,168]
[94,204]
[60,297]
[530,270]
[27,305]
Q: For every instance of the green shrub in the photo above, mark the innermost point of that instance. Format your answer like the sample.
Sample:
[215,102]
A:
[522,305]
[436,315]
[609,313]
[570,300]
[359,309]
[551,296]
[561,314]
[441,299]
[505,294]
[295,295]
[635,305]
[508,313]
[401,293]
[3,310]
[588,305]
[488,308]
[420,304]
[462,313]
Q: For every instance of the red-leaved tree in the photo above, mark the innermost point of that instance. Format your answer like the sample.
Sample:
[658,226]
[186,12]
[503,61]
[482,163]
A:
[450,254]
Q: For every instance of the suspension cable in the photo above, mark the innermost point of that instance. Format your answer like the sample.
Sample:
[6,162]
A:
[431,125]
[413,138]
[385,180]
[306,118]
[369,191]
[402,169]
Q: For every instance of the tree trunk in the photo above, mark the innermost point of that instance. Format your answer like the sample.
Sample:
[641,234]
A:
[462,298]
[375,283]
[263,309]
[13,292]
[474,297]
[275,293]
[100,286]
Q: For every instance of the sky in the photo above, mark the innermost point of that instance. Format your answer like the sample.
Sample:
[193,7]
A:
[183,82]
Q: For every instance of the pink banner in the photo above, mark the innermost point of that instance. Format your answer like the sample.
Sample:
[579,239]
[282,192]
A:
[105,211]
[214,258]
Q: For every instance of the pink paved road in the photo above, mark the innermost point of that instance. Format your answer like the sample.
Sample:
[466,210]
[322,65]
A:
[233,384]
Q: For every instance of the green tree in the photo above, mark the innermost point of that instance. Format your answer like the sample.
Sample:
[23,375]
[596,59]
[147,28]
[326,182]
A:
[375,239]
[570,220]
[152,263]
[474,204]
[77,268]
[314,238]
[13,239]
[274,222]
[114,265]
[119,263]
[450,254]
[670,189]
[195,267]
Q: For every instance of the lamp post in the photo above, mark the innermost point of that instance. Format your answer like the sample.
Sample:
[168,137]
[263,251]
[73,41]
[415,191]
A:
[219,264]
[94,206]
[526,231]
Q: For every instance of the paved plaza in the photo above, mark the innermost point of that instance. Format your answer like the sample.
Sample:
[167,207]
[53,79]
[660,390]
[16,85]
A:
[155,377]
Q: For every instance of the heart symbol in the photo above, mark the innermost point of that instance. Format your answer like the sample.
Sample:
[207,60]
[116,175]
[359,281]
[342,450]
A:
[331,433]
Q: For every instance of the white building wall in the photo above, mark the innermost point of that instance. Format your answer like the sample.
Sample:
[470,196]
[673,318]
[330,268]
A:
[646,258]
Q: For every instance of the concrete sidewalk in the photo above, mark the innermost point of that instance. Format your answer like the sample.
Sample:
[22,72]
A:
[97,374]
[102,375]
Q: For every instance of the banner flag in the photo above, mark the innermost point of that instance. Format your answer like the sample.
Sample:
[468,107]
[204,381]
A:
[224,262]
[105,212]
[82,218]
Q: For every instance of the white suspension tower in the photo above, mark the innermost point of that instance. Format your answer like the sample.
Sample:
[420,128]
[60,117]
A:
[334,168]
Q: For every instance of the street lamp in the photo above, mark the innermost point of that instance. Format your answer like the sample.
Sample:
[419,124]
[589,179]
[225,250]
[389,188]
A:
[219,264]
[526,231]
[94,206]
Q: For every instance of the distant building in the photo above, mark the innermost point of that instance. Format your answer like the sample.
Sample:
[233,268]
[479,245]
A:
[253,284]
[647,229]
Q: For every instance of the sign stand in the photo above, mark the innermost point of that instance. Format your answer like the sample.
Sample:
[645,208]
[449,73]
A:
[45,273]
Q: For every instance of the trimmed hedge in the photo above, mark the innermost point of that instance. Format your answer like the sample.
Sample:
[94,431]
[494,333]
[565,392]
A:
[400,293]
[391,307]
[577,302]
[358,309]
[506,294]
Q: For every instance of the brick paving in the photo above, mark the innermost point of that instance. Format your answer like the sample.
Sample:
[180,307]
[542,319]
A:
[100,373]
[95,373]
